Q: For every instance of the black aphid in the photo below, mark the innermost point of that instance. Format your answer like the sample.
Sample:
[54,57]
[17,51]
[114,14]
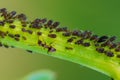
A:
[118,56]
[113,45]
[59,29]
[50,31]
[100,50]
[9,21]
[79,41]
[17,35]
[52,35]
[11,14]
[22,17]
[55,24]
[43,20]
[36,21]
[107,43]
[12,26]
[36,25]
[3,10]
[66,34]
[76,33]
[2,34]
[49,23]
[86,44]
[86,34]
[39,33]
[96,44]
[30,31]
[16,38]
[64,29]
[51,49]
[11,35]
[70,40]
[2,23]
[39,42]
[24,30]
[112,38]
[117,49]
[94,37]
[109,54]
[102,39]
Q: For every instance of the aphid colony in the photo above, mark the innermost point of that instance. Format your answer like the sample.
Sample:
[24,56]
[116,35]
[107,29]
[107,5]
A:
[77,37]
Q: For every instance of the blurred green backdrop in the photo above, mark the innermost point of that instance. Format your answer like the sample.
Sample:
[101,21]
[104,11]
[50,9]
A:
[100,16]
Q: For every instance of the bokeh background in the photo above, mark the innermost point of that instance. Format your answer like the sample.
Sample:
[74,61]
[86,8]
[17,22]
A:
[100,16]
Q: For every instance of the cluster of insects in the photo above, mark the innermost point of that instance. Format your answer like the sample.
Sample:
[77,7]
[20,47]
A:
[77,37]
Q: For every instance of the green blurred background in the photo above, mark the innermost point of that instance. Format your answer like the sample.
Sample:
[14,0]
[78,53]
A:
[100,16]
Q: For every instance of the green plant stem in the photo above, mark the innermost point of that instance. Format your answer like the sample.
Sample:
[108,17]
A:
[77,56]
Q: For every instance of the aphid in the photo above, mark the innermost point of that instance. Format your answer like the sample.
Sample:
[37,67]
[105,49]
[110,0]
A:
[86,44]
[59,29]
[11,14]
[3,10]
[113,45]
[24,30]
[12,26]
[94,37]
[11,35]
[96,44]
[39,42]
[22,17]
[36,25]
[52,35]
[109,54]
[107,43]
[55,24]
[36,21]
[66,34]
[16,38]
[118,56]
[30,31]
[9,21]
[100,50]
[102,39]
[17,35]
[43,20]
[76,33]
[39,33]
[50,31]
[49,23]
[51,49]
[112,38]
[70,40]
[1,23]
[117,49]
[86,34]
[79,41]
[64,29]
[2,34]
[24,25]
